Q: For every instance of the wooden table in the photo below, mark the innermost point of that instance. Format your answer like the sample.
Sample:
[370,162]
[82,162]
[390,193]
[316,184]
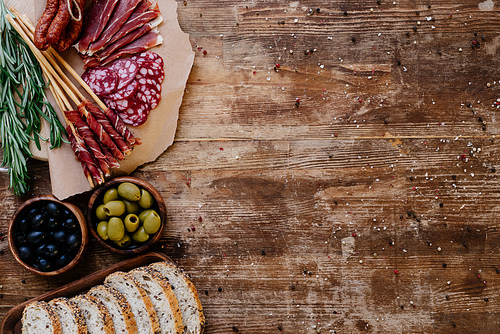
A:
[334,169]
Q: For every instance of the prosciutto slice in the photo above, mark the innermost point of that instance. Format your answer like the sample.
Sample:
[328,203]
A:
[129,38]
[120,15]
[95,21]
[143,43]
[139,17]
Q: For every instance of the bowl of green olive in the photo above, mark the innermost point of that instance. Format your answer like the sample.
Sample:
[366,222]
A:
[127,215]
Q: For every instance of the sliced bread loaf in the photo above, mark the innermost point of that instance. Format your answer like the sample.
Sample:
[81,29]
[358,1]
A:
[118,307]
[187,296]
[96,314]
[70,316]
[163,299]
[140,303]
[40,318]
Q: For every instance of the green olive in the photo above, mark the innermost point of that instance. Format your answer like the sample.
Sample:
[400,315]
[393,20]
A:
[110,195]
[131,222]
[143,215]
[131,207]
[140,235]
[129,191]
[124,242]
[114,208]
[102,230]
[116,229]
[152,222]
[100,213]
[146,200]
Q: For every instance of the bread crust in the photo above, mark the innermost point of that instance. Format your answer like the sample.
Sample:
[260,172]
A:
[169,293]
[103,312]
[54,319]
[121,301]
[179,272]
[151,313]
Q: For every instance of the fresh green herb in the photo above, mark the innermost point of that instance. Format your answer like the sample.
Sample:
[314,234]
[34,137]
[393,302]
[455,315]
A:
[23,104]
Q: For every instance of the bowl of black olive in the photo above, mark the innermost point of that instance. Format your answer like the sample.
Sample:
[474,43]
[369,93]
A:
[47,236]
[126,215]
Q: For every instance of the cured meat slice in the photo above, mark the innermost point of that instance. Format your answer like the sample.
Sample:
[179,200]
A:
[148,56]
[90,168]
[101,80]
[101,117]
[129,38]
[149,92]
[125,92]
[119,105]
[136,114]
[151,70]
[126,70]
[122,12]
[120,126]
[95,21]
[139,17]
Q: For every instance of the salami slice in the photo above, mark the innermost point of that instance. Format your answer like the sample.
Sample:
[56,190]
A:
[119,105]
[125,92]
[136,114]
[149,56]
[126,69]
[149,92]
[152,70]
[101,80]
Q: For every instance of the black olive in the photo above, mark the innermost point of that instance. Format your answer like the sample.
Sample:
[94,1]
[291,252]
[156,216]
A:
[23,224]
[51,250]
[53,209]
[20,239]
[73,241]
[59,236]
[34,237]
[32,212]
[44,264]
[69,223]
[38,220]
[24,253]
[41,250]
[53,223]
[67,213]
[63,260]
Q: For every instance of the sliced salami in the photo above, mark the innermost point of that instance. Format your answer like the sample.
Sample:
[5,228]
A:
[149,56]
[152,70]
[125,92]
[126,69]
[136,114]
[149,92]
[119,105]
[101,80]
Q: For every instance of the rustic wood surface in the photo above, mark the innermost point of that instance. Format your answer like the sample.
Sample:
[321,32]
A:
[352,188]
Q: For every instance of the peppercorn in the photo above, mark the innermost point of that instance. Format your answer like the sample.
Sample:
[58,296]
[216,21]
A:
[415,29]
[379,2]
[345,13]
[444,265]
[399,62]
[407,34]
[280,328]
[263,253]
[353,39]
[206,292]
[441,205]
[235,329]
[219,289]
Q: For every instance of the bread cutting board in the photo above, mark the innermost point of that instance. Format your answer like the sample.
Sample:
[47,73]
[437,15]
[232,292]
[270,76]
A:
[11,323]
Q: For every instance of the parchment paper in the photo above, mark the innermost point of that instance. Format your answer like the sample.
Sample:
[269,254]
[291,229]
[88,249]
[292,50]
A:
[157,134]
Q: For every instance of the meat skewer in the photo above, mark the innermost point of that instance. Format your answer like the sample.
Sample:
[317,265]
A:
[88,137]
[118,124]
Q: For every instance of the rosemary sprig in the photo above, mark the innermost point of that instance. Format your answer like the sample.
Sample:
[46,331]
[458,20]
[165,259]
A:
[22,104]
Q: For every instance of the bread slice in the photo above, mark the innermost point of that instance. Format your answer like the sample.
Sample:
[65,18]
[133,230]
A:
[124,321]
[39,317]
[96,314]
[141,305]
[187,296]
[70,316]
[163,298]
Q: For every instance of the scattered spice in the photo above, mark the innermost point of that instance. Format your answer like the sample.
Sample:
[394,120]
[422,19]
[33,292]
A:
[235,329]
[219,289]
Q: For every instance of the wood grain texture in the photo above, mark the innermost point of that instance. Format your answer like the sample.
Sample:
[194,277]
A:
[352,189]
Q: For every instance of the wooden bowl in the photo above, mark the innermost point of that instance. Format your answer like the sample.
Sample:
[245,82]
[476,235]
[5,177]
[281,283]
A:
[97,198]
[17,217]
